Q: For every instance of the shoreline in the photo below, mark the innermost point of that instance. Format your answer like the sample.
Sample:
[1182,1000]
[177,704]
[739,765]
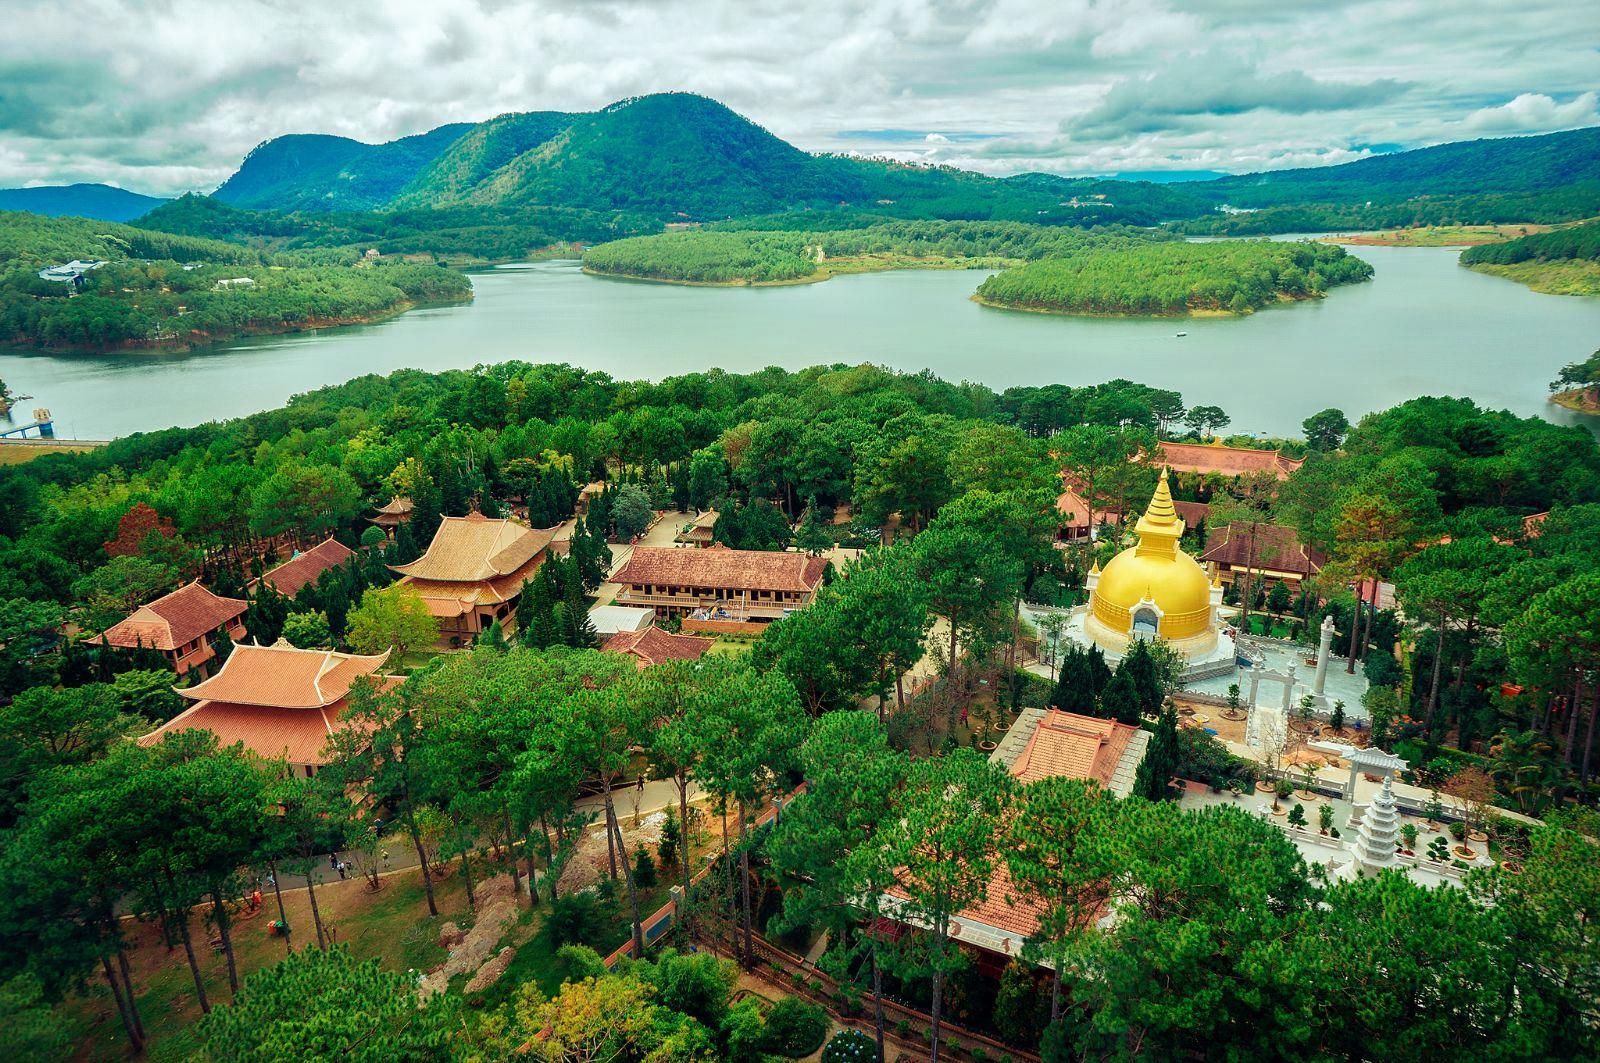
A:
[188,344]
[1176,315]
[1562,276]
[1578,400]
[846,267]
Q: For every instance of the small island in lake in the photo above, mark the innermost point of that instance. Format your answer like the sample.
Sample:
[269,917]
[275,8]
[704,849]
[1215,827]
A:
[1175,279]
[755,254]
[1577,386]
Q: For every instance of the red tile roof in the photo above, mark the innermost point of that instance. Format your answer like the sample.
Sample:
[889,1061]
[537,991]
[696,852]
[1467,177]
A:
[1075,509]
[1191,512]
[720,568]
[304,568]
[174,620]
[1277,549]
[1073,746]
[1065,744]
[651,645]
[277,700]
[281,676]
[1226,461]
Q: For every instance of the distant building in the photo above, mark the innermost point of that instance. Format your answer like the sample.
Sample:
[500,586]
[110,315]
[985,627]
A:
[473,572]
[278,701]
[236,282]
[1279,553]
[698,531]
[179,626]
[305,567]
[392,514]
[1218,460]
[70,272]
[652,646]
[755,585]
[1078,519]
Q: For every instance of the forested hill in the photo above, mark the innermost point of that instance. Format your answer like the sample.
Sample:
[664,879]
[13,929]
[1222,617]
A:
[671,156]
[104,202]
[308,171]
[1509,164]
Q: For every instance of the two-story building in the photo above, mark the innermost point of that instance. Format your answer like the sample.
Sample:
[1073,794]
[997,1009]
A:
[180,626]
[748,585]
[473,572]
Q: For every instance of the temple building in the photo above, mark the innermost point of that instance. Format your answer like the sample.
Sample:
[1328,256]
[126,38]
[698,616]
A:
[650,646]
[392,514]
[179,626]
[1275,554]
[698,532]
[749,585]
[1042,744]
[1217,460]
[1152,590]
[304,568]
[278,701]
[473,571]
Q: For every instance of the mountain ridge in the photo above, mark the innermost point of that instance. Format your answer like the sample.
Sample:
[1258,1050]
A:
[98,202]
[681,156]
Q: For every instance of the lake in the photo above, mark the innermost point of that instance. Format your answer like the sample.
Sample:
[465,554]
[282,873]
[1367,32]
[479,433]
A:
[1422,326]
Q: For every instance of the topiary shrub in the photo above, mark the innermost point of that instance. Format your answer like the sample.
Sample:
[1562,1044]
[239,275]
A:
[851,1046]
[795,1028]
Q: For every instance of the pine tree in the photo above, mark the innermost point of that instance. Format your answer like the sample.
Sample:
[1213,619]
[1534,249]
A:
[1098,670]
[1160,761]
[1120,700]
[813,536]
[1141,669]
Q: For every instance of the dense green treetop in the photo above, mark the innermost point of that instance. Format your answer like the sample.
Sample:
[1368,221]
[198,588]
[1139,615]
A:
[1175,278]
[1577,242]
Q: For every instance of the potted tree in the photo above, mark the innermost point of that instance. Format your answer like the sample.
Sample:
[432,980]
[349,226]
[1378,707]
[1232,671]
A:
[1325,818]
[1408,839]
[1233,711]
[1297,815]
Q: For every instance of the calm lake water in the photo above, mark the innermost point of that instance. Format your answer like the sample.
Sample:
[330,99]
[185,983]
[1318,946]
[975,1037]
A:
[1422,326]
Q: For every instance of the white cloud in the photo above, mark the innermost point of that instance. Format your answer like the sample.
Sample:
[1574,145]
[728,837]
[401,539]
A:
[168,95]
[1534,112]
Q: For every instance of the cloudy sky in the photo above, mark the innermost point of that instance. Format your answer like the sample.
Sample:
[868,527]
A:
[163,96]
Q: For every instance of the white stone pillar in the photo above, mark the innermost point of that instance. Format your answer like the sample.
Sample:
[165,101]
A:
[1324,650]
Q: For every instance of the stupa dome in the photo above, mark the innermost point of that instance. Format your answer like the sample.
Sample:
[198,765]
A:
[1153,588]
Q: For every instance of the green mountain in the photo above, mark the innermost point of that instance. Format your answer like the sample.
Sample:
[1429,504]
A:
[1509,164]
[669,156]
[101,202]
[678,156]
[312,171]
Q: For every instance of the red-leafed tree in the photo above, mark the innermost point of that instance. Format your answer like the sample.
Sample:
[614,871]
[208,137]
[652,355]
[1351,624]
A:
[135,529]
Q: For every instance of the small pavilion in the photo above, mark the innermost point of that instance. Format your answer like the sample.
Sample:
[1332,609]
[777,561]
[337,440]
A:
[392,514]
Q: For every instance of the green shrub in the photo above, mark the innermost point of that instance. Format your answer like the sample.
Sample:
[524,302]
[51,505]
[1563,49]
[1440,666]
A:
[644,870]
[795,1028]
[576,919]
[850,1046]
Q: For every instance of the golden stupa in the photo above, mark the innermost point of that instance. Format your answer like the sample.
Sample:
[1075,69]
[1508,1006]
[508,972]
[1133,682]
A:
[1154,589]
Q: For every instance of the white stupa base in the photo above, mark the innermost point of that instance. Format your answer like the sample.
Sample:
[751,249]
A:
[1209,655]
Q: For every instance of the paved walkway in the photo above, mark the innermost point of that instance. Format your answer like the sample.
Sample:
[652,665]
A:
[400,854]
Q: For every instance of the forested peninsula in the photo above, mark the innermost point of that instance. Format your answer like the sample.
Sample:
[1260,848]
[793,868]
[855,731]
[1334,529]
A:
[1560,262]
[769,251]
[1230,276]
[159,290]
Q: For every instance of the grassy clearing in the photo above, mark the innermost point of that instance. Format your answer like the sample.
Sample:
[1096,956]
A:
[1558,277]
[17,453]
[392,926]
[1437,236]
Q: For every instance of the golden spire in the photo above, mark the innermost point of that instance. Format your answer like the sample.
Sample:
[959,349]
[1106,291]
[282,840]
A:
[1160,528]
[1161,511]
